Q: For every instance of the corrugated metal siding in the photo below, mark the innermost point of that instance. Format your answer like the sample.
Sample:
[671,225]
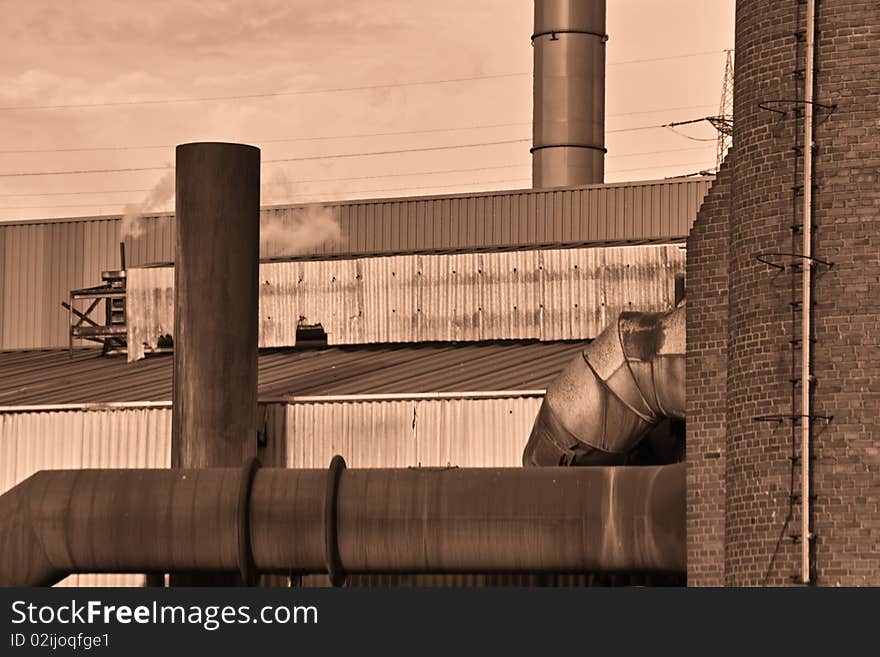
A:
[628,211]
[461,432]
[397,434]
[553,294]
[41,262]
[132,438]
[39,265]
[154,244]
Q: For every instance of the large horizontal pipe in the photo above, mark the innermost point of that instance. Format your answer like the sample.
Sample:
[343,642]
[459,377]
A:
[417,520]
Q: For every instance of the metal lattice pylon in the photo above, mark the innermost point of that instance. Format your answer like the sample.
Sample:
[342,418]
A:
[725,111]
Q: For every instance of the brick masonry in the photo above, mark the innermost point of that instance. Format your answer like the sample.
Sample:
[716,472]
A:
[749,504]
[706,379]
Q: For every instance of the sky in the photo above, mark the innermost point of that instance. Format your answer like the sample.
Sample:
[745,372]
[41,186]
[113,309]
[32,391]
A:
[115,84]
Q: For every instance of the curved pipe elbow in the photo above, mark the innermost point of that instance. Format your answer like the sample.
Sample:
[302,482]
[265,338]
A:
[608,397]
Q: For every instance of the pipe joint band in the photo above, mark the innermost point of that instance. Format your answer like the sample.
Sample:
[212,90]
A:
[553,34]
[593,147]
[331,531]
[246,566]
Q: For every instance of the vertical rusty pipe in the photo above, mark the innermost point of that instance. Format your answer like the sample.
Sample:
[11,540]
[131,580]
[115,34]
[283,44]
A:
[568,144]
[216,306]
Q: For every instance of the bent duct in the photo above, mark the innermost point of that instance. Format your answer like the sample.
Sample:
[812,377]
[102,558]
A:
[284,521]
[605,401]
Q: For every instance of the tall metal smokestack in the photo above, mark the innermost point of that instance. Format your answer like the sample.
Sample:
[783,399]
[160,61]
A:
[568,140]
[216,308]
[216,305]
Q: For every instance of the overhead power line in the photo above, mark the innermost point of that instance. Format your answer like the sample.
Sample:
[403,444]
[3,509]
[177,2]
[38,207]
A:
[675,124]
[343,155]
[287,159]
[665,166]
[330,90]
[348,178]
[79,171]
[391,152]
[412,187]
[306,194]
[276,94]
[276,141]
[664,59]
[652,111]
[660,152]
[97,191]
[134,147]
[292,182]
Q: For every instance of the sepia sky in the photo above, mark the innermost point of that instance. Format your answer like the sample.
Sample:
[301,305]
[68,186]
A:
[309,79]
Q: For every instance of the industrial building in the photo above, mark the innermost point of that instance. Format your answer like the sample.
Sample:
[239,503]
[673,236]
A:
[461,387]
[430,332]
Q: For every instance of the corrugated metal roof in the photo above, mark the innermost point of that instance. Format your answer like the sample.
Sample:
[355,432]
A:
[41,261]
[51,377]
[552,294]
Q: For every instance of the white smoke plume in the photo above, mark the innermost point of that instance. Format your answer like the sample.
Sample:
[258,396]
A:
[133,215]
[293,232]
[297,230]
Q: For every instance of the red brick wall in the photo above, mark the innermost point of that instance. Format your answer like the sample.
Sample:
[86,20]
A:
[846,365]
[846,459]
[707,257]
[758,367]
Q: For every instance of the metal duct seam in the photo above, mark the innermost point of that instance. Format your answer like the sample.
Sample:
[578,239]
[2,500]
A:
[607,398]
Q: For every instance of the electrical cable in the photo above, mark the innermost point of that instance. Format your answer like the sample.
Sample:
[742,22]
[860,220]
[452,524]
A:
[681,134]
[303,92]
[290,182]
[290,159]
[346,178]
[331,137]
[360,191]
[272,141]
[663,166]
[663,59]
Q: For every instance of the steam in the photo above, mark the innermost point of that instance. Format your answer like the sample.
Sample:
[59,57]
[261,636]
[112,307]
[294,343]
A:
[300,231]
[277,188]
[133,224]
[294,231]
[290,232]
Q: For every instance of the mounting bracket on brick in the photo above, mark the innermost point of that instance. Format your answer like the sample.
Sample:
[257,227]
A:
[792,260]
